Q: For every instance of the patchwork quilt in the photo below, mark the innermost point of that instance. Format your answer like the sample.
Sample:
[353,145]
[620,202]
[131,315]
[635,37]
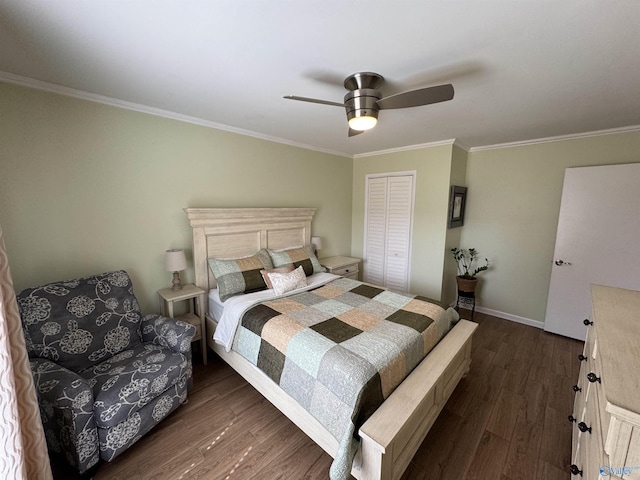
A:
[339,350]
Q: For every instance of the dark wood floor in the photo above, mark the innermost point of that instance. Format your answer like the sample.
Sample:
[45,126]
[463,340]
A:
[507,420]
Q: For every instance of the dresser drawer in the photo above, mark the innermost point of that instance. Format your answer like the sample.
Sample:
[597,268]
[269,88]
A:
[589,454]
[347,271]
[600,389]
[594,455]
[581,389]
[343,266]
[578,460]
[590,340]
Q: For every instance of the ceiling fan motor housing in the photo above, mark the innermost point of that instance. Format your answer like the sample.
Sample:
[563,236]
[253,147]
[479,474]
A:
[362,103]
[363,80]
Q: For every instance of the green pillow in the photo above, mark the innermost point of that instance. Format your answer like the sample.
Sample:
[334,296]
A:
[240,275]
[298,256]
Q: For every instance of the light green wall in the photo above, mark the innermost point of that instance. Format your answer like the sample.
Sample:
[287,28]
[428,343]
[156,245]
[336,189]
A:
[86,187]
[458,177]
[433,170]
[512,212]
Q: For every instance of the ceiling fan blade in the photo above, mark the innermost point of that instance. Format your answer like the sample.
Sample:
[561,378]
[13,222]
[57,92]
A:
[416,98]
[314,100]
[353,132]
[327,77]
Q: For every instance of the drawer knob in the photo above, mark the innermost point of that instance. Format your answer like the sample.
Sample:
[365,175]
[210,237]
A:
[575,470]
[576,388]
[593,378]
[583,427]
[582,358]
[587,322]
[571,418]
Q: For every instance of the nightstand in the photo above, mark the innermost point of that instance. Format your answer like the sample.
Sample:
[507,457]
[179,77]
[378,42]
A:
[343,266]
[195,317]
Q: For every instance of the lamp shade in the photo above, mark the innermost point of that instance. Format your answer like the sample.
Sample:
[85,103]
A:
[317,242]
[175,260]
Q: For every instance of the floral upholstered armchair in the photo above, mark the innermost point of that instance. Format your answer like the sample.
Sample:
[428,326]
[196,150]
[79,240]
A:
[104,375]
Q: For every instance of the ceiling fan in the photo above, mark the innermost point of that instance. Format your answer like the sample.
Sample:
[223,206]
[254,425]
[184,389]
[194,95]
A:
[364,100]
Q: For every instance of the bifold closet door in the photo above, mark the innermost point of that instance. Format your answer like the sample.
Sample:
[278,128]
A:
[388,226]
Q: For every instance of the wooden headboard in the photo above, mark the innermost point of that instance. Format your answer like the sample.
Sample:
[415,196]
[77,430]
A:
[239,232]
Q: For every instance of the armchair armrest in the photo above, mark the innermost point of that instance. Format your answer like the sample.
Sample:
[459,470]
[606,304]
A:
[66,408]
[60,387]
[167,332]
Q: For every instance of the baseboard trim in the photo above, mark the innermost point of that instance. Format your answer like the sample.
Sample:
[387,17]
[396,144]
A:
[509,316]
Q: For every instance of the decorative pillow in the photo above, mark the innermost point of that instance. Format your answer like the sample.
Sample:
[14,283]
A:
[286,269]
[240,275]
[303,256]
[285,282]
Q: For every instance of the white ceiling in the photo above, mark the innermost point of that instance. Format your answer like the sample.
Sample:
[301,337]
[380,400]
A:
[521,70]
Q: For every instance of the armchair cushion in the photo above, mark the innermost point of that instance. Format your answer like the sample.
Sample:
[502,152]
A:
[80,322]
[131,379]
[167,332]
[113,441]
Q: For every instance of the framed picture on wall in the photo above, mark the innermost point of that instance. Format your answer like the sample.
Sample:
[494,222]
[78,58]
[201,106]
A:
[457,200]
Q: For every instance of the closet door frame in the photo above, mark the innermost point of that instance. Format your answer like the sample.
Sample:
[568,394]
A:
[370,176]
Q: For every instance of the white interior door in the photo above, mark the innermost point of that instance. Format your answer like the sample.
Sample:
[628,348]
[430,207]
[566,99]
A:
[596,242]
[388,230]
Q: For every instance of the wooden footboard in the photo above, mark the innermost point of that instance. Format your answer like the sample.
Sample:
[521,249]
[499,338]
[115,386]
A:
[392,435]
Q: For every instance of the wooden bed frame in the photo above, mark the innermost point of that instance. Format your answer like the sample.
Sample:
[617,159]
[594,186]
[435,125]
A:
[392,435]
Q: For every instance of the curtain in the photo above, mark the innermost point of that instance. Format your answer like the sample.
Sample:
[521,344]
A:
[23,450]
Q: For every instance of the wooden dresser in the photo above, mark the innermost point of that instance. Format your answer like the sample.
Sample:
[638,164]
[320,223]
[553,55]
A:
[606,414]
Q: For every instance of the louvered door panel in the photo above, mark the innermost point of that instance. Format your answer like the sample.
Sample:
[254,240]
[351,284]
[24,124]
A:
[399,206]
[376,232]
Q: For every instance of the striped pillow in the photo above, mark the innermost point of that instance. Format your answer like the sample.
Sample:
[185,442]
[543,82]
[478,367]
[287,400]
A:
[240,275]
[298,256]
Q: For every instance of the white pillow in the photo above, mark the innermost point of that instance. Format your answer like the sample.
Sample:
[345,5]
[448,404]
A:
[285,282]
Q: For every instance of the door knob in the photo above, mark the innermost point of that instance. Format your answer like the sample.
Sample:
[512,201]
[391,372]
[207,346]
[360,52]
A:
[561,263]
[583,427]
[593,378]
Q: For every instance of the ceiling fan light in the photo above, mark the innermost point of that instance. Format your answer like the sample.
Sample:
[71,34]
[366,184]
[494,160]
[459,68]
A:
[362,123]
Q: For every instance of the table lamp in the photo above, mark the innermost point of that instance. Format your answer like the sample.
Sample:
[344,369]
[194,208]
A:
[175,261]
[317,244]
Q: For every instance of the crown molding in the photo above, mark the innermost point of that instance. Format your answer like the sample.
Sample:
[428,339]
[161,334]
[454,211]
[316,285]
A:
[136,107]
[558,138]
[461,145]
[408,148]
[114,102]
